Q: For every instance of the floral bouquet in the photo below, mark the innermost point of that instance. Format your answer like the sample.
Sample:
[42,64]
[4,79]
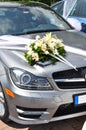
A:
[44,49]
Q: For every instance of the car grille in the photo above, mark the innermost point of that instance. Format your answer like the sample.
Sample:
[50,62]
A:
[71,79]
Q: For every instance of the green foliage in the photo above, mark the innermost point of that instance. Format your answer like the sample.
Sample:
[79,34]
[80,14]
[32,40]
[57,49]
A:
[48,2]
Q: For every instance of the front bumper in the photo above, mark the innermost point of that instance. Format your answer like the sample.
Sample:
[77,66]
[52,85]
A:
[36,107]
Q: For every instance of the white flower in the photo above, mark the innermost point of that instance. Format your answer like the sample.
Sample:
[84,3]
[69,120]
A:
[55,52]
[60,43]
[35,56]
[37,37]
[46,52]
[38,43]
[52,45]
[30,51]
[44,47]
[47,37]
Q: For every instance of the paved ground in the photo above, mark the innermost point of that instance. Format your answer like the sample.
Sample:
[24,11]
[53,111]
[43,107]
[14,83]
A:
[70,124]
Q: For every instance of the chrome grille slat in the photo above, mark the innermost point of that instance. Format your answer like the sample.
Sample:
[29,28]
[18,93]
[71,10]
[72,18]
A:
[32,112]
[70,80]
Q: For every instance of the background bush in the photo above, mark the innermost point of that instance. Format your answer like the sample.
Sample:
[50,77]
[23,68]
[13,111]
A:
[49,2]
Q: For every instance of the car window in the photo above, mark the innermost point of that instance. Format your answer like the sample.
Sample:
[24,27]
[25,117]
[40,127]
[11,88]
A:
[79,9]
[68,5]
[15,20]
[83,9]
[59,7]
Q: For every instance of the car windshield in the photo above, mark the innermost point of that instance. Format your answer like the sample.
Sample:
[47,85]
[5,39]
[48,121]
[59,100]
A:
[21,20]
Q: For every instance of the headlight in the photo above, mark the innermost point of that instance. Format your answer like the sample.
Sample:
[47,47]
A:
[27,80]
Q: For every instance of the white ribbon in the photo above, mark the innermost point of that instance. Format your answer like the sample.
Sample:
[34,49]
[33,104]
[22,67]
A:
[63,60]
[59,57]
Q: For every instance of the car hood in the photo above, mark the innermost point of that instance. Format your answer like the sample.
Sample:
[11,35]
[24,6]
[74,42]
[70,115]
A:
[71,38]
[12,50]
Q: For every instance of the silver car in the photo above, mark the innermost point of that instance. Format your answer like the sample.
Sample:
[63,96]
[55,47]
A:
[43,92]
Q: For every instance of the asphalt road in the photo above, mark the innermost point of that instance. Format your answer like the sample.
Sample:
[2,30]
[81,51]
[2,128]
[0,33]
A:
[69,124]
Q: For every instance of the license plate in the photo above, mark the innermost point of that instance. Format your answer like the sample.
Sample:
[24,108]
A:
[80,99]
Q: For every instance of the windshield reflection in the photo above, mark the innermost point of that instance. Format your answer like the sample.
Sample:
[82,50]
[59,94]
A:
[17,20]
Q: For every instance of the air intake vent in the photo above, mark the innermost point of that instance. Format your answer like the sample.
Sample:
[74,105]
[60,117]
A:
[68,109]
[30,113]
